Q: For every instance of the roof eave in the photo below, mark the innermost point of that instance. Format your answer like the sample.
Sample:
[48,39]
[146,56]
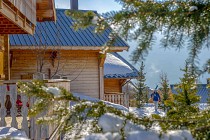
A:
[113,49]
[119,77]
[114,76]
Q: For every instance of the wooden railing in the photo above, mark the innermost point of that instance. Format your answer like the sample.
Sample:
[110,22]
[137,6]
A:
[117,98]
[9,111]
[27,8]
[12,116]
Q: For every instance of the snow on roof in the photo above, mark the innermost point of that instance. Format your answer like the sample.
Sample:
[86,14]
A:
[117,67]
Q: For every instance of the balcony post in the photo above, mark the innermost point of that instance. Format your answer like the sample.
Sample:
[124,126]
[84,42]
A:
[6,57]
[102,58]
[1,4]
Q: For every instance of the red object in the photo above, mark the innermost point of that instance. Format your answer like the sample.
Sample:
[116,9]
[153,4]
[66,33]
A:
[19,103]
[8,88]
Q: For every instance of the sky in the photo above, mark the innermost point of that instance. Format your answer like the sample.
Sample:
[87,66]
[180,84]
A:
[158,60]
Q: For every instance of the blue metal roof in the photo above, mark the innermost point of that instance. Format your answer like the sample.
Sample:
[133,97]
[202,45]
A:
[202,91]
[116,66]
[60,33]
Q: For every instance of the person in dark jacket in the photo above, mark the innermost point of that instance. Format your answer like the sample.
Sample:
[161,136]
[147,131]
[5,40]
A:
[156,98]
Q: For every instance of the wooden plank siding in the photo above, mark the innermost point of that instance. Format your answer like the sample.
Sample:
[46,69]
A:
[82,67]
[112,85]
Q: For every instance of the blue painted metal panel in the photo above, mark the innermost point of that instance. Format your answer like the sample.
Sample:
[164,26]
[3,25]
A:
[202,91]
[12,40]
[47,33]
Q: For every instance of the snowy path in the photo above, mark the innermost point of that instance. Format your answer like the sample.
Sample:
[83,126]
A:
[147,110]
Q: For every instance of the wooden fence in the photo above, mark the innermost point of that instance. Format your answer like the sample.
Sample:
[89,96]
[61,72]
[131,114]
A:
[117,98]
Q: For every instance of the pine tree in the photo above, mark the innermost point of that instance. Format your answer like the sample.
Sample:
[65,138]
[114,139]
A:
[184,108]
[141,94]
[185,99]
[164,89]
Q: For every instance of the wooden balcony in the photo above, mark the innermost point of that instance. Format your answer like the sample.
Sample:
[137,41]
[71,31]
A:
[13,115]
[117,98]
[17,16]
[20,16]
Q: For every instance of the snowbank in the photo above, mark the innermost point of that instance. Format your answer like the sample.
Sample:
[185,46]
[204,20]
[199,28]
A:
[113,126]
[112,123]
[106,136]
[142,135]
[146,111]
[203,106]
[178,135]
[11,132]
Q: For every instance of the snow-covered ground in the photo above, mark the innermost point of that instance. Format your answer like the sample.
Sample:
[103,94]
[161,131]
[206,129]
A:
[11,132]
[147,110]
[113,126]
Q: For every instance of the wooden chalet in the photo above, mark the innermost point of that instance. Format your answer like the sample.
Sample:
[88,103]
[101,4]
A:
[57,51]
[117,72]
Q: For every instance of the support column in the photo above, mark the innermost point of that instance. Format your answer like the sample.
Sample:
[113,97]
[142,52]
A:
[2,57]
[102,58]
[101,73]
[1,64]
[6,57]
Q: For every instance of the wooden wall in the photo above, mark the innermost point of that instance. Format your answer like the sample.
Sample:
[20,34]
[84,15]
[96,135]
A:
[112,85]
[79,66]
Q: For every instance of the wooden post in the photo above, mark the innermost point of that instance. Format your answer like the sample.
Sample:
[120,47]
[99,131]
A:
[101,73]
[1,4]
[3,108]
[6,57]
[13,110]
[1,65]
[1,57]
[16,15]
[126,99]
[24,22]
[102,58]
